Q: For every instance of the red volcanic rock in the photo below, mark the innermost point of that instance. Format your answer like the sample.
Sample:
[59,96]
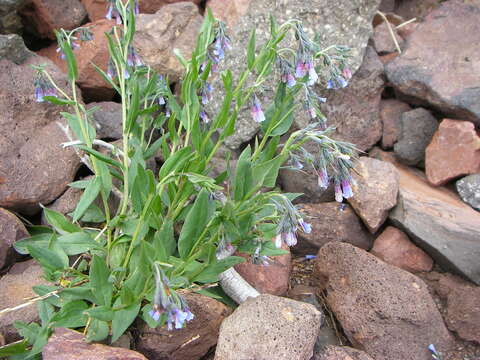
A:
[228,11]
[390,113]
[453,152]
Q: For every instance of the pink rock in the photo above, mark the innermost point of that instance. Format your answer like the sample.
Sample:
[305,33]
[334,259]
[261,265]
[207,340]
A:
[342,353]
[228,11]
[11,230]
[453,152]
[394,247]
[383,41]
[390,113]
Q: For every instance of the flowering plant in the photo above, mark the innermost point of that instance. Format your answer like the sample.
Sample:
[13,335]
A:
[158,234]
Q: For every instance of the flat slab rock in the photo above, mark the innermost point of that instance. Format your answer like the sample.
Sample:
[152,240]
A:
[437,221]
[383,310]
[420,72]
[269,327]
[71,345]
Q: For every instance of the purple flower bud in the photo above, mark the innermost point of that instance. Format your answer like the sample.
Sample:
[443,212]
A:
[109,12]
[312,74]
[297,164]
[310,257]
[204,116]
[300,69]
[39,94]
[155,313]
[290,239]
[161,100]
[323,180]
[346,189]
[338,192]
[256,111]
[111,70]
[126,74]
[206,93]
[306,227]
[346,73]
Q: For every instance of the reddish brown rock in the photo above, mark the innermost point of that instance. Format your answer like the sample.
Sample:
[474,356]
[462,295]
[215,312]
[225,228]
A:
[453,152]
[375,191]
[462,304]
[390,113]
[342,353]
[419,73]
[71,345]
[383,310]
[34,168]
[331,222]
[191,342]
[11,230]
[406,30]
[383,40]
[95,51]
[437,221]
[174,26]
[271,279]
[395,248]
[15,287]
[228,11]
[410,9]
[48,15]
[152,6]
[385,59]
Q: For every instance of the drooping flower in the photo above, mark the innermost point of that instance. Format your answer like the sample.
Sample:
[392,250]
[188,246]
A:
[289,79]
[111,69]
[306,227]
[204,116]
[206,93]
[337,82]
[113,13]
[300,69]
[85,34]
[132,57]
[43,87]
[289,238]
[323,180]
[256,110]
[258,259]
[346,189]
[338,191]
[312,74]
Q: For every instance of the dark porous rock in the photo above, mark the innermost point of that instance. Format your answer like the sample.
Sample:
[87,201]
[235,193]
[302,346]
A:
[420,72]
[462,304]
[454,151]
[331,222]
[10,21]
[469,190]
[13,48]
[342,353]
[390,113]
[332,24]
[269,327]
[45,16]
[382,309]
[437,221]
[394,247]
[34,168]
[374,192]
[354,110]
[15,288]
[11,230]
[418,127]
[189,343]
[72,345]
[108,119]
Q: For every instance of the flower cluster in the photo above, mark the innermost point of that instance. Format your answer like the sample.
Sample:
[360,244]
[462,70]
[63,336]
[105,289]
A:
[114,13]
[216,50]
[167,301]
[43,87]
[68,39]
[290,222]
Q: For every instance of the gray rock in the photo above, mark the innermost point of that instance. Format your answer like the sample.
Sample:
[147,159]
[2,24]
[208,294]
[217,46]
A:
[13,48]
[10,22]
[346,23]
[269,327]
[418,128]
[108,119]
[469,190]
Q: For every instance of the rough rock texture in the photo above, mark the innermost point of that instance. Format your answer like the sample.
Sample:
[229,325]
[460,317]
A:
[108,119]
[383,41]
[390,113]
[97,9]
[346,23]
[342,353]
[453,152]
[271,279]
[375,191]
[66,203]
[331,222]
[383,310]
[10,21]
[419,72]
[94,87]
[437,221]
[15,287]
[395,248]
[11,230]
[71,345]
[418,127]
[13,48]
[414,8]
[462,305]
[34,168]
[174,26]
[228,11]
[269,327]
[469,190]
[49,15]
[191,342]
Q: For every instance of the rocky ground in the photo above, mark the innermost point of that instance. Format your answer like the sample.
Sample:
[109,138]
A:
[397,268]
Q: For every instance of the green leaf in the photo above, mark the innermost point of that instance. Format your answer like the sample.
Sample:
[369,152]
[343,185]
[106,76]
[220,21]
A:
[40,240]
[47,258]
[180,58]
[211,272]
[71,315]
[123,318]
[93,214]
[104,313]
[97,331]
[243,179]
[251,50]
[176,161]
[18,347]
[217,293]
[88,196]
[99,274]
[59,222]
[101,156]
[194,225]
[77,243]
[164,241]
[45,312]
[57,101]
